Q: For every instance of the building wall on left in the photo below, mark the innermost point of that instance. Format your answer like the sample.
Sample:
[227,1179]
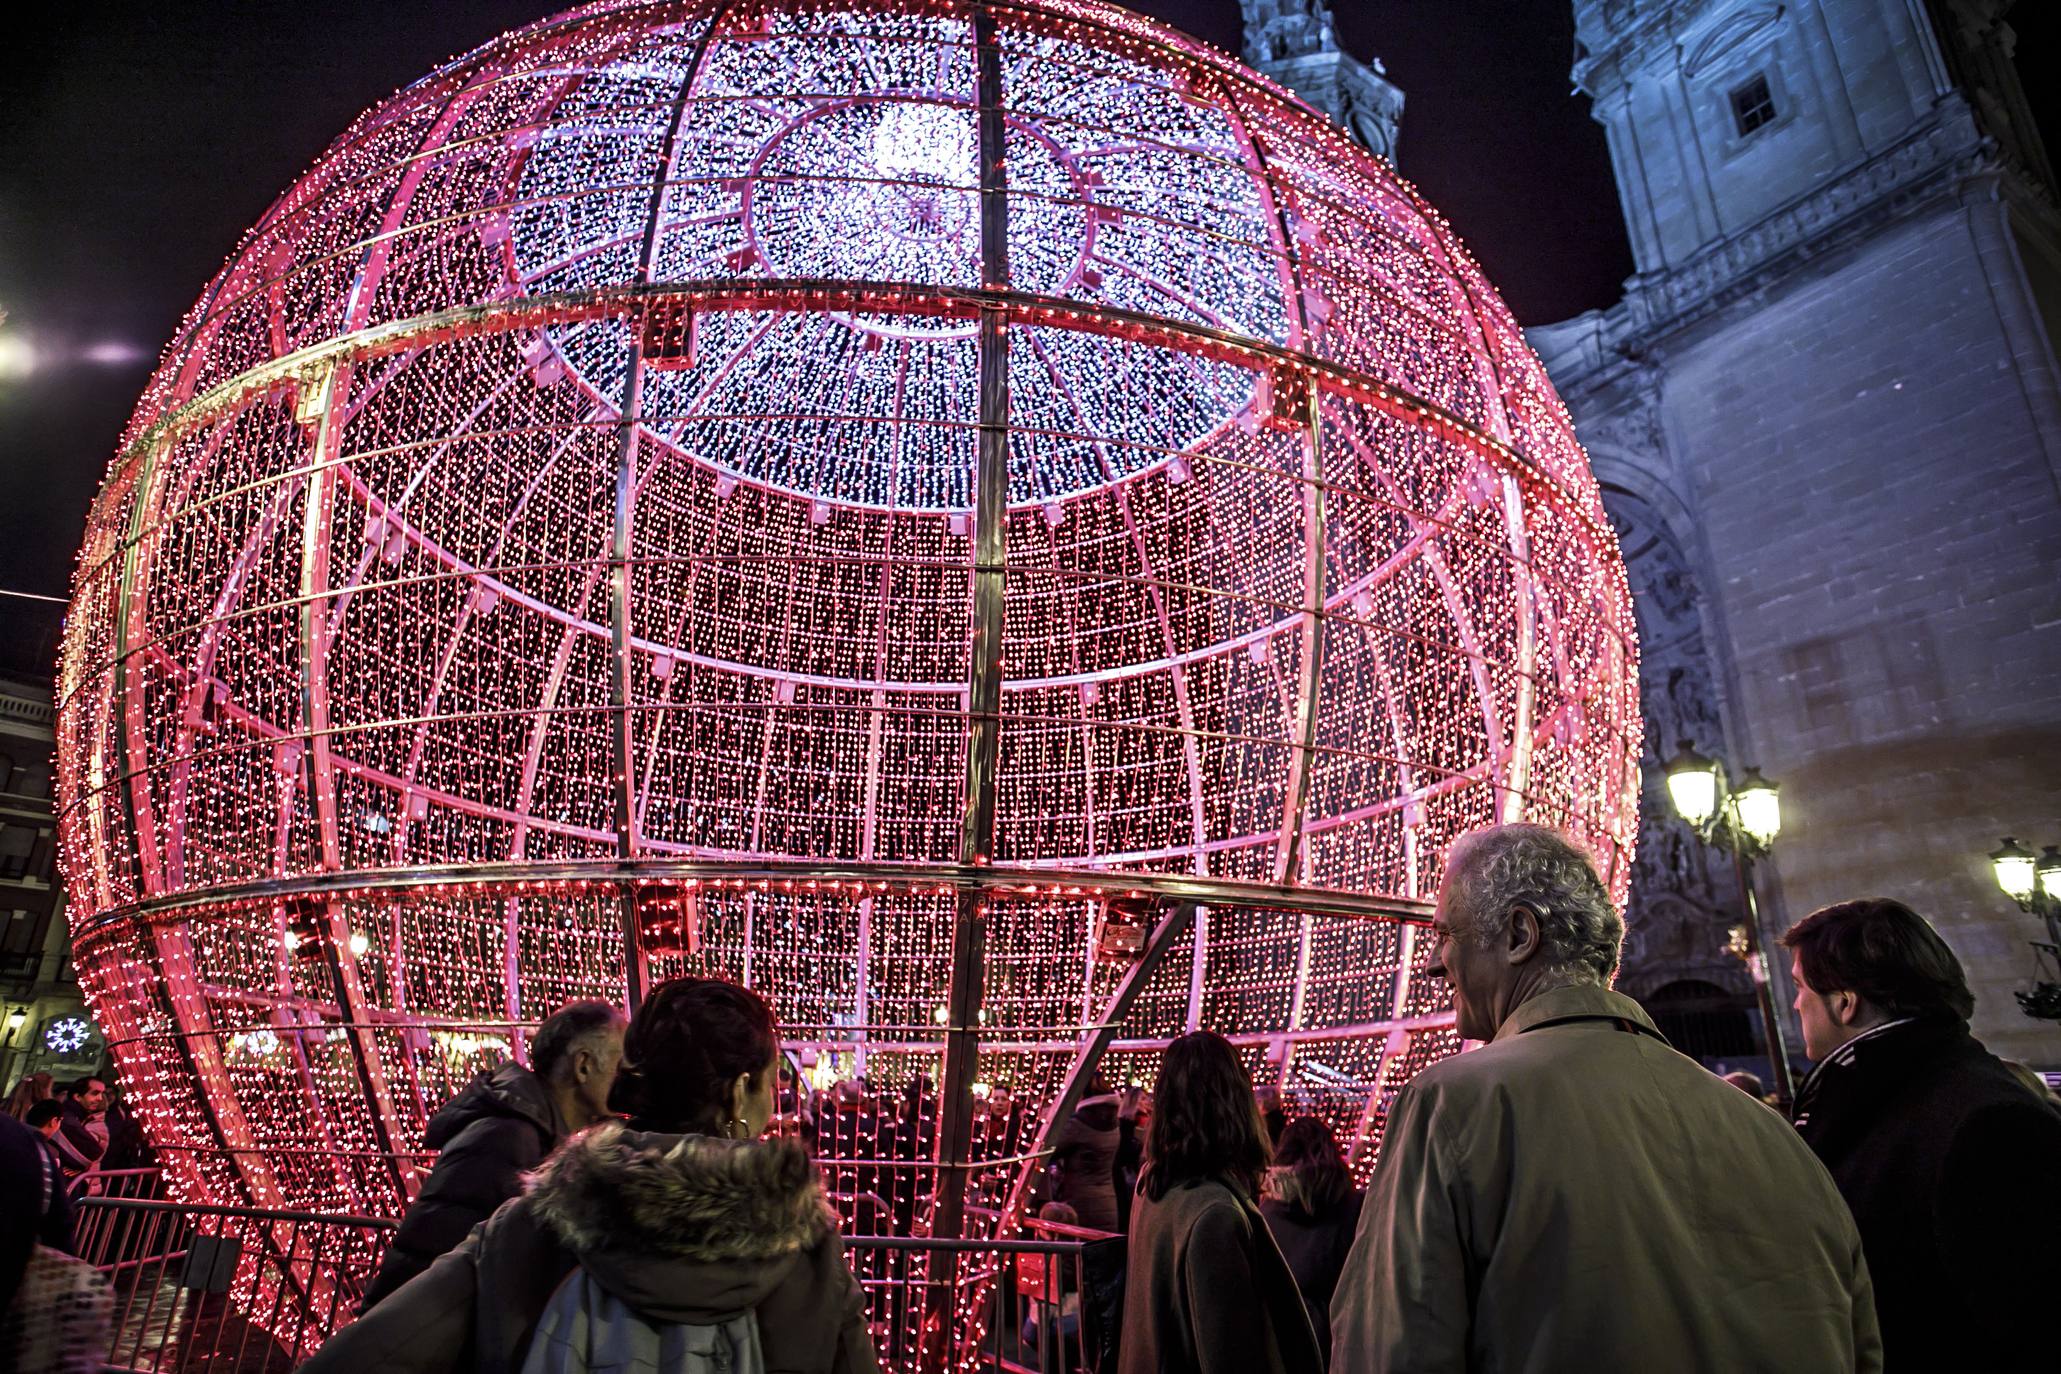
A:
[37,988]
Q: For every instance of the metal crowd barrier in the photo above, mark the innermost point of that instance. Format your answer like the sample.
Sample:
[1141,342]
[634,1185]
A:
[237,1290]
[226,1290]
[143,1183]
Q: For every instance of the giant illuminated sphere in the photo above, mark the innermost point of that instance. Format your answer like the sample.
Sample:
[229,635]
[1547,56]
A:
[997,526]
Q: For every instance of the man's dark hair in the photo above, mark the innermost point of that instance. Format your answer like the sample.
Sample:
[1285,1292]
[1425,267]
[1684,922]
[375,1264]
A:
[563,1030]
[81,1086]
[46,1110]
[687,1043]
[1206,1122]
[1884,952]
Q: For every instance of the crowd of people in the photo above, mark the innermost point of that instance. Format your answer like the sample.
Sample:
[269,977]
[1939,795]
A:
[55,1310]
[681,1239]
[88,1128]
[1577,1195]
[667,1191]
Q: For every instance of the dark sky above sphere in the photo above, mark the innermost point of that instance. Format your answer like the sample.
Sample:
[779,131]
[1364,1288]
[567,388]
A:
[138,141]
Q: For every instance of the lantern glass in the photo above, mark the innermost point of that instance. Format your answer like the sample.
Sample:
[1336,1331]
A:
[2049,873]
[1692,783]
[2013,865]
[1757,806]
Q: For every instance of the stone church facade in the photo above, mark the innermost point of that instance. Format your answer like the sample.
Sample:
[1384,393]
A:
[1827,419]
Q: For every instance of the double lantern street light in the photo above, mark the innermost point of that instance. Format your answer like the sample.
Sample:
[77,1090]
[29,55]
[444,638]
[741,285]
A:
[2035,884]
[1743,819]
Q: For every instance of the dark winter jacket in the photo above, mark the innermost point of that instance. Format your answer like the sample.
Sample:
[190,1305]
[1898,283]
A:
[1315,1247]
[682,1229]
[1950,1166]
[1123,1173]
[499,1128]
[1207,1291]
[1084,1156]
[33,1200]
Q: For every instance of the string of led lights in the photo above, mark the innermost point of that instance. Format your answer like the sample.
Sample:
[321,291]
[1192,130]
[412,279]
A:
[987,522]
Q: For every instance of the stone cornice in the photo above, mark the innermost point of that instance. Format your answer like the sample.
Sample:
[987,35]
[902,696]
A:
[1929,165]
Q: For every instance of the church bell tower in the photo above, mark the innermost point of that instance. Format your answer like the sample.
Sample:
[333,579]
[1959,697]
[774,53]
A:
[1293,42]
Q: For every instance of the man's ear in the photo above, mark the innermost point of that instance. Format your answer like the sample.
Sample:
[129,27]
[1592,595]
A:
[1524,934]
[1848,1007]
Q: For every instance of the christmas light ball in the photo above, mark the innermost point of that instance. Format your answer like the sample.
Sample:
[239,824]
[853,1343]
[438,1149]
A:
[996,526]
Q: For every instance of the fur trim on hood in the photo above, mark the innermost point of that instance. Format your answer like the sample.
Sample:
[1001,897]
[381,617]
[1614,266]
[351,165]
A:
[683,1197]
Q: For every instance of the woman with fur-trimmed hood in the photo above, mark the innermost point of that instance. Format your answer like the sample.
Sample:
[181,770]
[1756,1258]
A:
[679,1243]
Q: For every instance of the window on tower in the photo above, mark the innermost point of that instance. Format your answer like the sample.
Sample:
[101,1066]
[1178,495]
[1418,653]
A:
[1753,106]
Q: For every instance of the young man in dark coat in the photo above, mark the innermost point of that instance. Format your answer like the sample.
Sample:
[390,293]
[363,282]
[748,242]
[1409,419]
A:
[82,1138]
[1948,1161]
[504,1124]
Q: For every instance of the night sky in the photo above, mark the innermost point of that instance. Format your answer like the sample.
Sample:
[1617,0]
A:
[139,141]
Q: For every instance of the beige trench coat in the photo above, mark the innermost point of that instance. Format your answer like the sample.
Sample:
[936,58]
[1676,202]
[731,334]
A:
[1577,1196]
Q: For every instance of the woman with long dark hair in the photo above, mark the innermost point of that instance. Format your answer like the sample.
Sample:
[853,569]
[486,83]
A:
[1207,1290]
[679,1241]
[1313,1211]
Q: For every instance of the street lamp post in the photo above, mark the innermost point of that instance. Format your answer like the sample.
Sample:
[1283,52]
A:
[16,1016]
[2035,884]
[1742,819]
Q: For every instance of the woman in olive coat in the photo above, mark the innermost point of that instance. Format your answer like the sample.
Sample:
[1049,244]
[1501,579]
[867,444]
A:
[1207,1291]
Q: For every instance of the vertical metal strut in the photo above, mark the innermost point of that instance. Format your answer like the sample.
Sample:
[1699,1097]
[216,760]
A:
[622,734]
[984,671]
[199,1054]
[321,407]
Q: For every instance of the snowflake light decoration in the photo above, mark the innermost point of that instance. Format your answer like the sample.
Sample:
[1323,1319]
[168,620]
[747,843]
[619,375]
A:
[993,524]
[67,1034]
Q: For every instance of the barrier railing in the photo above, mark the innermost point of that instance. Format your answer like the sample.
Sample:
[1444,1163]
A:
[227,1290]
[130,1183]
[232,1290]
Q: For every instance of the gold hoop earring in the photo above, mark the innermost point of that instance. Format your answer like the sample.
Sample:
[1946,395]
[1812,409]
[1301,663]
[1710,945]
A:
[737,1128]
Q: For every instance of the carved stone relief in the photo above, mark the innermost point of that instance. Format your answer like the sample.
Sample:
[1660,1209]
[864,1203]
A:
[1682,904]
[1276,30]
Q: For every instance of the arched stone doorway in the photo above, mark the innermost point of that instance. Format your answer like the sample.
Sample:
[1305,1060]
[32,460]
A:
[1705,1021]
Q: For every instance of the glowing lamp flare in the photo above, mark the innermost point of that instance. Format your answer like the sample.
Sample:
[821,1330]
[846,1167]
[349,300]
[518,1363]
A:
[1692,783]
[1757,807]
[2015,869]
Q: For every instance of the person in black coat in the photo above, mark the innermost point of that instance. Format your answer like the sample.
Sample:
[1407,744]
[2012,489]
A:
[1133,1118]
[1313,1211]
[1084,1150]
[1947,1160]
[500,1127]
[33,1199]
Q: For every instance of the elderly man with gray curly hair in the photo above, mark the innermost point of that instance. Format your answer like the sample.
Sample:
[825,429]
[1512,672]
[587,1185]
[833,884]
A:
[1575,1194]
